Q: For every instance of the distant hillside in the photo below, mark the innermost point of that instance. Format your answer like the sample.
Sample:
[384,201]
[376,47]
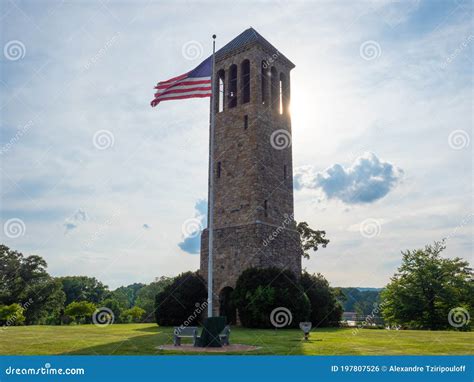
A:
[359,300]
[370,289]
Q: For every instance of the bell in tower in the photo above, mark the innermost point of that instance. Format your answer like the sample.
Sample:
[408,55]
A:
[253,174]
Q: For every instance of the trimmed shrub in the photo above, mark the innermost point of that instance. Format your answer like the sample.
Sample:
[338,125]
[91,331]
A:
[325,309]
[259,292]
[80,311]
[134,314]
[11,315]
[181,301]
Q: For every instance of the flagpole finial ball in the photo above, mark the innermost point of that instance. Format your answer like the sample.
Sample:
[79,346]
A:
[214,36]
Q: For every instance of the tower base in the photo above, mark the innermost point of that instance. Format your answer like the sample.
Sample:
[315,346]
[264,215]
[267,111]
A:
[237,248]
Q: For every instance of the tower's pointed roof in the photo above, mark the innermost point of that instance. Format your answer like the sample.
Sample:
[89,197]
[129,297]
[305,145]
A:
[244,40]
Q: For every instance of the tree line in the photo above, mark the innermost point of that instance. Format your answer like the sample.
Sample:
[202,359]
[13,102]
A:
[29,295]
[428,291]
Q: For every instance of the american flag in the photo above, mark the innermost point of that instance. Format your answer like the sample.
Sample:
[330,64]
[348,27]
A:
[193,84]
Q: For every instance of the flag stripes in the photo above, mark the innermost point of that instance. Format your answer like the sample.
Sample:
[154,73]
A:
[194,84]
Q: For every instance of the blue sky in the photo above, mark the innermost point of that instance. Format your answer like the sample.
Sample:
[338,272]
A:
[99,183]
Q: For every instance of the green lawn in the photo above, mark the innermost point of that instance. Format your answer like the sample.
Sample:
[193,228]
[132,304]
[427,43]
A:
[144,338]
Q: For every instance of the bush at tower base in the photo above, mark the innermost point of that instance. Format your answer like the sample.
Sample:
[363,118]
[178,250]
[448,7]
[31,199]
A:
[182,302]
[270,298]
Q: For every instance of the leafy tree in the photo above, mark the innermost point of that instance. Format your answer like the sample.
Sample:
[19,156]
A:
[325,309]
[146,297]
[25,279]
[114,306]
[126,295]
[259,292]
[83,288]
[48,303]
[181,299]
[11,315]
[134,314]
[80,311]
[311,239]
[121,295]
[426,287]
[340,296]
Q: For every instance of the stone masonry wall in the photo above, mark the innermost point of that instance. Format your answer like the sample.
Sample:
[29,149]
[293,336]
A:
[252,177]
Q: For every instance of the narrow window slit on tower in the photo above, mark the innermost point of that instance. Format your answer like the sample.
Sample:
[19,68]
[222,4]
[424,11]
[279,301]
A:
[245,70]
[263,75]
[265,207]
[219,169]
[246,122]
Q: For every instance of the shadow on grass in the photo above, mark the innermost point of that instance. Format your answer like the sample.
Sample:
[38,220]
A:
[146,340]
[139,345]
[325,330]
[306,341]
[152,329]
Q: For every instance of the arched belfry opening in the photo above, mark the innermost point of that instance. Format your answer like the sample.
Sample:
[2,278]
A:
[253,177]
[220,91]
[284,96]
[226,306]
[232,95]
[264,73]
[275,88]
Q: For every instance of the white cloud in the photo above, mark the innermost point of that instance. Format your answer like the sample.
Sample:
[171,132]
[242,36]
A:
[367,180]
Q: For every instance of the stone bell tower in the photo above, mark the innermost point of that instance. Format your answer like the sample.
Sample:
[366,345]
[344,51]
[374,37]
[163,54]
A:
[253,174]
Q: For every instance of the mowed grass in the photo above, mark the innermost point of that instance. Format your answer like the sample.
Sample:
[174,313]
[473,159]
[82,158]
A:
[143,339]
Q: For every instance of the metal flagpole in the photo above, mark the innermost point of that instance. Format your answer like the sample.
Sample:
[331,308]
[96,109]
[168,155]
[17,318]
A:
[211,186]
